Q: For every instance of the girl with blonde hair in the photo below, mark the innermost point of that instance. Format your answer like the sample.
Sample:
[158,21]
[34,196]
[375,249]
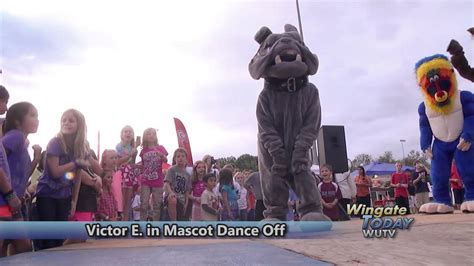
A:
[125,178]
[67,155]
[153,156]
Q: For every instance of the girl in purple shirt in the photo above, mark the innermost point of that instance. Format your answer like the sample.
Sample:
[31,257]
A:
[66,155]
[7,193]
[153,156]
[21,120]
[10,206]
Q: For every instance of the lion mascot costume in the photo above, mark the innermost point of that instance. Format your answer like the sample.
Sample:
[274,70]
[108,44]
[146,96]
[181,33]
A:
[289,118]
[447,131]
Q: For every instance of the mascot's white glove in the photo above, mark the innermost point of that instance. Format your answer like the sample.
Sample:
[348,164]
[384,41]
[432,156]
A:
[429,153]
[464,145]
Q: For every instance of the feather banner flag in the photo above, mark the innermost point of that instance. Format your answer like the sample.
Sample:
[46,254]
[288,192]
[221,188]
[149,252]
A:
[183,140]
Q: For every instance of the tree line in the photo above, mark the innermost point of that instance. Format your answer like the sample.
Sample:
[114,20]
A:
[387,157]
[247,161]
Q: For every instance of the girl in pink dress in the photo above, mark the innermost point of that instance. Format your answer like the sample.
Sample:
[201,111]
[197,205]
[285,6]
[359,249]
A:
[125,177]
[198,187]
[153,156]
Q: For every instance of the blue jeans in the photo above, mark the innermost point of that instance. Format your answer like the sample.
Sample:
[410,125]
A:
[234,209]
[251,215]
[243,215]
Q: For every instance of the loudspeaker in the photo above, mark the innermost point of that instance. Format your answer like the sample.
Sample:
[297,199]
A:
[332,148]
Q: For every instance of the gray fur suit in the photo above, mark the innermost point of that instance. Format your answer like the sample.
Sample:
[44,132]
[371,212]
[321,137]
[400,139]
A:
[289,117]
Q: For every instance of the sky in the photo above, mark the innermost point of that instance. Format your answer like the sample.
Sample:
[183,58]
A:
[141,63]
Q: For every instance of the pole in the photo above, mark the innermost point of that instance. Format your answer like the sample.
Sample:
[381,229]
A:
[403,150]
[98,145]
[299,20]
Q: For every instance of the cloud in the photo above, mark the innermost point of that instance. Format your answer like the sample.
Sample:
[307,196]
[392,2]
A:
[192,63]
[29,43]
[367,54]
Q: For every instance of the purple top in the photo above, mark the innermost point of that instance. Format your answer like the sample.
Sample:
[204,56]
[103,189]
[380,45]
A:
[19,160]
[6,169]
[49,186]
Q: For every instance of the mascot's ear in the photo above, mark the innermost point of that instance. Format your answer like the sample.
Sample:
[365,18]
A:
[289,27]
[262,34]
[471,31]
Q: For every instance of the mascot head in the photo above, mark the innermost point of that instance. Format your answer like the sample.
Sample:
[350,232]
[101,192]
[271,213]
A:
[435,76]
[282,56]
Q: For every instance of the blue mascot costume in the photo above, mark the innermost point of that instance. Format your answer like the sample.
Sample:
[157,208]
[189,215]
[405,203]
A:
[447,115]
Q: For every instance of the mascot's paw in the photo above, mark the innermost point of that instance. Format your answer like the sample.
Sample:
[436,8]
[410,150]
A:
[432,208]
[299,167]
[315,222]
[428,208]
[315,217]
[468,206]
[429,153]
[443,208]
[279,167]
[269,220]
[299,162]
[279,170]
[464,145]
[454,47]
[272,219]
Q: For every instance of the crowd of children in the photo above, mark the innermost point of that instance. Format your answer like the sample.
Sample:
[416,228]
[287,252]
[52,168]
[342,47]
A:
[66,182]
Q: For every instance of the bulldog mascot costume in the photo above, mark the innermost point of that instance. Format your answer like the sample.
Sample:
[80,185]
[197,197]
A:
[289,118]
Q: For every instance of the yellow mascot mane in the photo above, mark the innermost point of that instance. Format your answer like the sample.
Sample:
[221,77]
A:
[439,65]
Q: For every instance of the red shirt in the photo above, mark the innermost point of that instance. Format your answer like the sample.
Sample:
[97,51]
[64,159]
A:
[251,200]
[329,192]
[400,178]
[107,205]
[455,175]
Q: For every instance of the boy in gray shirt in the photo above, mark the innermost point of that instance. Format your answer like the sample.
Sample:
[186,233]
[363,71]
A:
[177,186]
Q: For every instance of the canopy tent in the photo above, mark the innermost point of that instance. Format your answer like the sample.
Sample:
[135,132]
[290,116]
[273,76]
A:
[373,168]
[381,169]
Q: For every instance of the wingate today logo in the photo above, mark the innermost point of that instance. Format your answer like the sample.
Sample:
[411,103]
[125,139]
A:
[374,225]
